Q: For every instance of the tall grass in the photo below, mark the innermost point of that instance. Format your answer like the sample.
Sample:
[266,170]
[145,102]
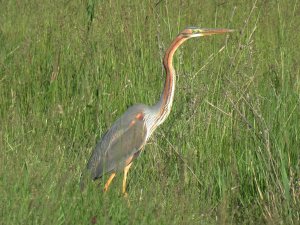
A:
[228,153]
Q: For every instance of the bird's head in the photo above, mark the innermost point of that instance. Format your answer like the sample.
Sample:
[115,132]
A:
[191,32]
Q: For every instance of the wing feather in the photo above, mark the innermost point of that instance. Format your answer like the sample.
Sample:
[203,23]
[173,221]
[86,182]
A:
[124,139]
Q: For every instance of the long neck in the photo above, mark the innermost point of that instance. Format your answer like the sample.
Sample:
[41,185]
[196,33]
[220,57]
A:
[163,106]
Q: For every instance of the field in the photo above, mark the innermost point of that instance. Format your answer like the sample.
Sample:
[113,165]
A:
[227,154]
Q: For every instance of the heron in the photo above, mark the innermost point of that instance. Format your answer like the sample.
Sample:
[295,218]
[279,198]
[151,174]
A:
[125,140]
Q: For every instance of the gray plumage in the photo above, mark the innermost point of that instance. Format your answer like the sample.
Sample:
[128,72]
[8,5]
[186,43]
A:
[124,139]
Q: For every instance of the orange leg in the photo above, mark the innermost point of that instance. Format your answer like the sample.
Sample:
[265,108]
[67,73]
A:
[126,169]
[109,181]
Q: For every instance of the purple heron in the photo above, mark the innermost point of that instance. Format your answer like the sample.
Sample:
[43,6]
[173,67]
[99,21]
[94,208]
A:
[123,142]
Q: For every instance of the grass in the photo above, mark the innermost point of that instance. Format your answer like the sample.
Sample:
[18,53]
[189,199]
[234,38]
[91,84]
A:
[228,153]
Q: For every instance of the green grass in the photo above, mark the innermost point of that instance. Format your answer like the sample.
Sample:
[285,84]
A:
[228,153]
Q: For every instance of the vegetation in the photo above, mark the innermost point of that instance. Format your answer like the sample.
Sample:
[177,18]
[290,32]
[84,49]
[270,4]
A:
[228,153]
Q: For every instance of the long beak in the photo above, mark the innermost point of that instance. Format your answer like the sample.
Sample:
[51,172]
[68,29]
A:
[211,31]
[199,32]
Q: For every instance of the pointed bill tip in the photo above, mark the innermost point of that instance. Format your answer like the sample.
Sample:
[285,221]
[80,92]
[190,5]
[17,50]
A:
[198,32]
[210,31]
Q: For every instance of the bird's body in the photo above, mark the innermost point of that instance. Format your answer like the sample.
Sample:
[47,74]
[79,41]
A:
[122,143]
[128,133]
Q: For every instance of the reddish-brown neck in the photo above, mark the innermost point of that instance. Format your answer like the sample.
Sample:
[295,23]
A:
[164,105]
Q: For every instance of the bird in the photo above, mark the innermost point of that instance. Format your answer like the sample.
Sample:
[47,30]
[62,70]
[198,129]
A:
[126,138]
